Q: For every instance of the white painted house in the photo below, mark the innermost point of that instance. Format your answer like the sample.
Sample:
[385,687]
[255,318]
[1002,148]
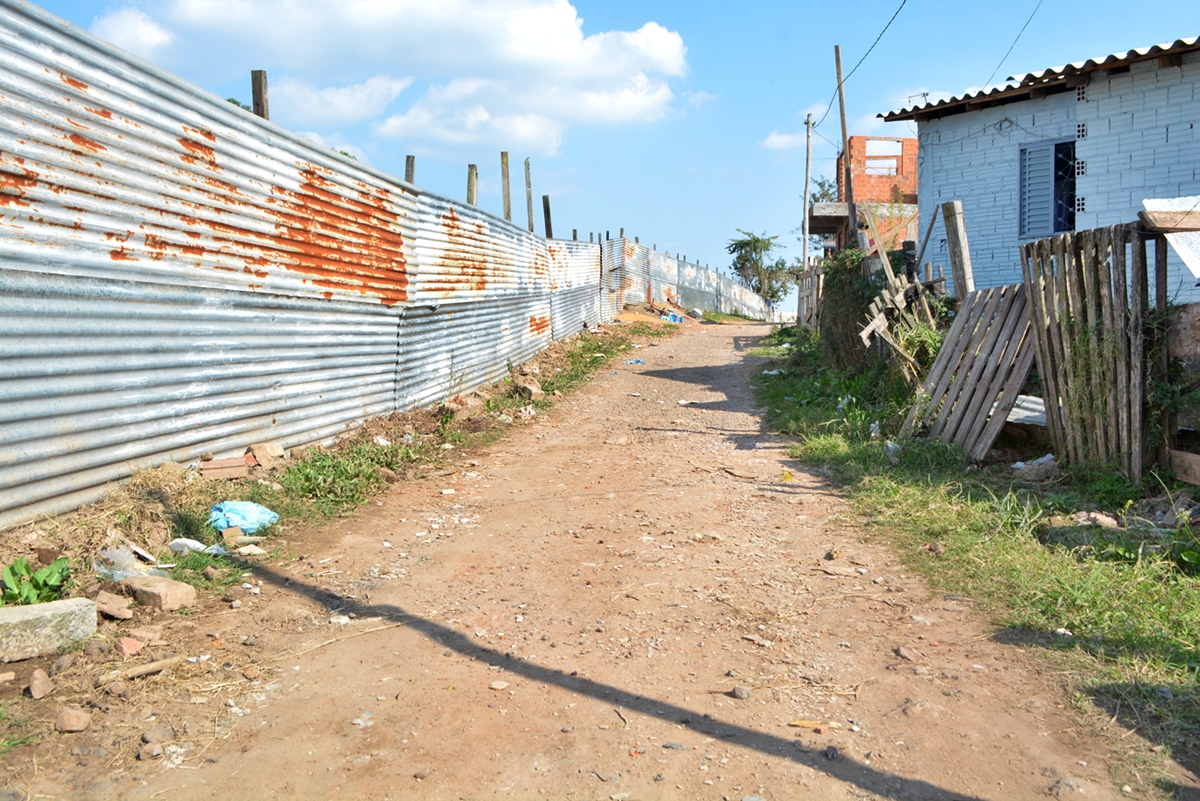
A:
[1063,149]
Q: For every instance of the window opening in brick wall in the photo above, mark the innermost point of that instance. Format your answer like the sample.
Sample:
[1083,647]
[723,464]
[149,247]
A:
[1080,93]
[1080,168]
[1081,131]
[1047,189]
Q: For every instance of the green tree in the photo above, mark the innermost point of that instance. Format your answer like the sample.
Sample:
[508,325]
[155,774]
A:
[752,263]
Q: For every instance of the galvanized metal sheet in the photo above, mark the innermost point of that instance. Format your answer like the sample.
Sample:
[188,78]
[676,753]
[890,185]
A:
[99,377]
[112,167]
[460,346]
[575,287]
[465,254]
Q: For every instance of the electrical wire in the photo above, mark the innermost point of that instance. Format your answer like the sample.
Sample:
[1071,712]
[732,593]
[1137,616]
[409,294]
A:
[861,60]
[1011,46]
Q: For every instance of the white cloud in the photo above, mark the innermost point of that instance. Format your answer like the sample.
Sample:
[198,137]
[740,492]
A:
[783,141]
[296,101]
[132,30]
[336,142]
[699,99]
[492,71]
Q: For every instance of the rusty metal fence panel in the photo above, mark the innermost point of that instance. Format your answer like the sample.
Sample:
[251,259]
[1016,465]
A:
[465,254]
[457,347]
[131,171]
[574,286]
[612,267]
[99,377]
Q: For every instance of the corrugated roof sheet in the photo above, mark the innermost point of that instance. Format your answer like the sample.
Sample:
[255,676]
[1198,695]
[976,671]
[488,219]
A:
[1021,84]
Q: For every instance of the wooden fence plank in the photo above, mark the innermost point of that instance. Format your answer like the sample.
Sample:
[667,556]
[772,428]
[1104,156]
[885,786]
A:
[1007,400]
[1120,333]
[1137,350]
[998,327]
[926,393]
[992,370]
[972,337]
[1031,268]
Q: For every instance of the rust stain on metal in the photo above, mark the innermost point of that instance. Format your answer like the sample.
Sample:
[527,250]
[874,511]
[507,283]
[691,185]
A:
[99,112]
[121,254]
[209,135]
[67,79]
[629,250]
[88,144]
[461,257]
[199,152]
[538,325]
[13,185]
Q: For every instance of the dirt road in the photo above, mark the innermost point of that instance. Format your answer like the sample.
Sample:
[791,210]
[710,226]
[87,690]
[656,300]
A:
[578,613]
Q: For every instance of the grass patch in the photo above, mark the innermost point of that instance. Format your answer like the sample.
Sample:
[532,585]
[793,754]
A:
[1129,598]
[13,739]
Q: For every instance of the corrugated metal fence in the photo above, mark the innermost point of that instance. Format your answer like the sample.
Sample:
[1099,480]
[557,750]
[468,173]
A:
[636,274]
[179,276]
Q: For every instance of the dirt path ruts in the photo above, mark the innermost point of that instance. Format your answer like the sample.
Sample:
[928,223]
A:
[572,620]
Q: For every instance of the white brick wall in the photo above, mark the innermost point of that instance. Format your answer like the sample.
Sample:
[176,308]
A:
[1143,141]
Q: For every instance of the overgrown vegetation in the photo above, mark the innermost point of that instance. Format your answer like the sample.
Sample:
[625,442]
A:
[1120,608]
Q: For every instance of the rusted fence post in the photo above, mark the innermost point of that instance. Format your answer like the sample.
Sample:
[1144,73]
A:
[258,88]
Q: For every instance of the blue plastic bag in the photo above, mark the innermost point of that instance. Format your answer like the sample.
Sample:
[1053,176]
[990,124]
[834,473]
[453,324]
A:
[247,516]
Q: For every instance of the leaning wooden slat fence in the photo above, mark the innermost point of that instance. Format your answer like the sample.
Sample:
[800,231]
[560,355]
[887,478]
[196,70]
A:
[975,379]
[1090,311]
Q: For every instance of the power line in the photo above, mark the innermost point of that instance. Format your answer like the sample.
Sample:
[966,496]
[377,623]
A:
[829,105]
[1011,46]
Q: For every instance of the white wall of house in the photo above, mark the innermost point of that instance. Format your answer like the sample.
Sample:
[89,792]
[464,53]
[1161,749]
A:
[1143,140]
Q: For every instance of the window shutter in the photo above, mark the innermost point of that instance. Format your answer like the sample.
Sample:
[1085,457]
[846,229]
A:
[1037,190]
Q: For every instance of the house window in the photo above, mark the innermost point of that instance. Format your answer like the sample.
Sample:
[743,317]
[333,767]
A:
[1047,191]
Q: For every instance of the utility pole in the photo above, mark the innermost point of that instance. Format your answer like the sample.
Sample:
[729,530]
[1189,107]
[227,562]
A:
[807,183]
[852,213]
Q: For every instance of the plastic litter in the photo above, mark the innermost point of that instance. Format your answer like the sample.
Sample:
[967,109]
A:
[247,516]
[124,564]
[185,545]
[633,361]
[673,318]
[772,372]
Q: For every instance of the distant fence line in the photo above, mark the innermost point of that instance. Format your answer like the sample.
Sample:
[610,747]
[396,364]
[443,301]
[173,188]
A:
[178,276]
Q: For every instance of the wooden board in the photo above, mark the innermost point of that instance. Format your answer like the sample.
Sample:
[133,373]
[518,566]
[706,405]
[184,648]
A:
[1171,222]
[978,372]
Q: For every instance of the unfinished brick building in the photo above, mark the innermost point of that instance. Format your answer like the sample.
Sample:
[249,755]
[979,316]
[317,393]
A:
[884,172]
[883,168]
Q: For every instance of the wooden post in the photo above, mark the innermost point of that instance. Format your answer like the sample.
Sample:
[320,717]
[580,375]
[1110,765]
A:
[804,224]
[546,213]
[410,169]
[574,234]
[925,242]
[472,185]
[960,251]
[852,213]
[504,185]
[258,88]
[529,195]
[1161,301]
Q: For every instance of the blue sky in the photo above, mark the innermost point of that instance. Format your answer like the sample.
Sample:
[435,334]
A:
[673,120]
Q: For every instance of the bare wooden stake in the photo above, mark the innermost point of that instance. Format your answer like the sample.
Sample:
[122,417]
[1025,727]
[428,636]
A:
[258,88]
[504,188]
[546,213]
[472,185]
[410,169]
[529,195]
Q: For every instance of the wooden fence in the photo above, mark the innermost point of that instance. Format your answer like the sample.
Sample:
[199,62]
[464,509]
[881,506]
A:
[1091,310]
[809,285]
[978,372]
